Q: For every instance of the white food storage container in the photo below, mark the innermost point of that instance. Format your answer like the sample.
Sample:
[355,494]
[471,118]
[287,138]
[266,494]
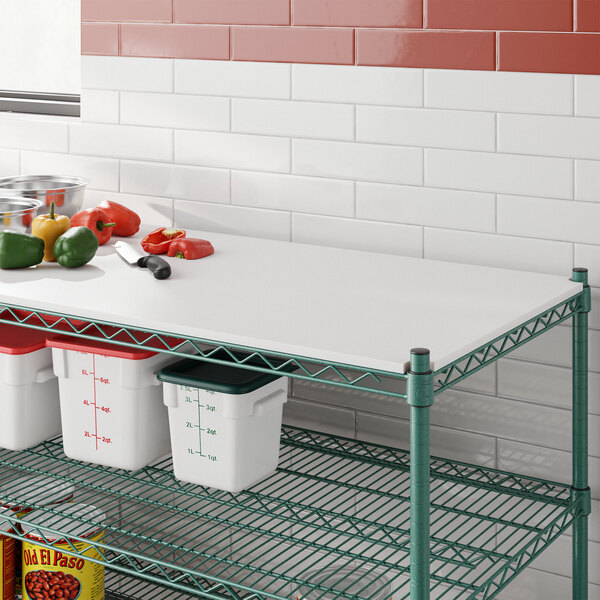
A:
[111,402]
[225,422]
[29,406]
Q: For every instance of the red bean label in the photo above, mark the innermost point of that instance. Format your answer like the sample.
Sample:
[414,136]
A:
[7,568]
[52,574]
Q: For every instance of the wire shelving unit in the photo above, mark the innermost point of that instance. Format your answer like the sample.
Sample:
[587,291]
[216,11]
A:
[433,528]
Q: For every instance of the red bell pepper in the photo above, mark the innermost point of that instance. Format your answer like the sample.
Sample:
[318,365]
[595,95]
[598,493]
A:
[190,248]
[127,221]
[159,240]
[96,220]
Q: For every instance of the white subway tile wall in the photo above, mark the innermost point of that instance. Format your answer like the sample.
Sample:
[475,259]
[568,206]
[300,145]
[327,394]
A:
[499,169]
[293,119]
[232,150]
[23,133]
[9,162]
[529,93]
[587,180]
[175,111]
[429,128]
[100,106]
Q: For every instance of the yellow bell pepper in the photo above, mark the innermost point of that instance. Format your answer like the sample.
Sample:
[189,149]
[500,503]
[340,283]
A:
[49,228]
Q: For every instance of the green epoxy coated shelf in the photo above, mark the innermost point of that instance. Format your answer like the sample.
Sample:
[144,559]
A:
[127,587]
[298,367]
[332,501]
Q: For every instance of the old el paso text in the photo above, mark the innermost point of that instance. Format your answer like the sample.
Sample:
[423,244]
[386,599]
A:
[52,558]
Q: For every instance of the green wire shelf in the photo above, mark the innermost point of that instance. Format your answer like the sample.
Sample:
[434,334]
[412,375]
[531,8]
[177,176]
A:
[333,502]
[335,374]
[126,587]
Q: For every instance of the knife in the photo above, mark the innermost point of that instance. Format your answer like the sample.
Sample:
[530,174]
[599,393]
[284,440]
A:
[158,266]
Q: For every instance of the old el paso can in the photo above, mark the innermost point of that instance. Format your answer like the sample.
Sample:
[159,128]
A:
[49,573]
[7,557]
[37,489]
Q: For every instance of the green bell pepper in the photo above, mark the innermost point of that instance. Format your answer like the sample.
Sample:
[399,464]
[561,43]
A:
[20,250]
[76,247]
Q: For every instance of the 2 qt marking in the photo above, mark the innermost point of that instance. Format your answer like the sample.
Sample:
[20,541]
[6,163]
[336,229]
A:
[111,403]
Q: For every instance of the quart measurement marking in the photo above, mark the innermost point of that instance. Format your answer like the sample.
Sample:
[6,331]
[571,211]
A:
[97,407]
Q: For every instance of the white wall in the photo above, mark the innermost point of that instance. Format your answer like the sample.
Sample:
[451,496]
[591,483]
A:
[498,169]
[40,45]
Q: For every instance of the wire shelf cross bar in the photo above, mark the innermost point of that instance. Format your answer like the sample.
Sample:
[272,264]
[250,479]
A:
[265,361]
[469,364]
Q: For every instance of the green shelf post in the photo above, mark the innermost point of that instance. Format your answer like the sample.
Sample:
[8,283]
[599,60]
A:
[420,399]
[580,486]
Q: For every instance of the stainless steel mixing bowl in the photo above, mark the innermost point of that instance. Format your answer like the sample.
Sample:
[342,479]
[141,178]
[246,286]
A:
[67,192]
[17,214]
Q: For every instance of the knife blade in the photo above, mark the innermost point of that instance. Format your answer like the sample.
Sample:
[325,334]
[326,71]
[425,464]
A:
[159,267]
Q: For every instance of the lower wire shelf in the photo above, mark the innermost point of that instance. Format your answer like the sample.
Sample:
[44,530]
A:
[333,503]
[127,587]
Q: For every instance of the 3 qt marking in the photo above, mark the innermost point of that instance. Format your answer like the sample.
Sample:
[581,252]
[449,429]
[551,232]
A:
[201,430]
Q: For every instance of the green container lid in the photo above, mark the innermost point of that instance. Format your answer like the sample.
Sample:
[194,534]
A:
[227,379]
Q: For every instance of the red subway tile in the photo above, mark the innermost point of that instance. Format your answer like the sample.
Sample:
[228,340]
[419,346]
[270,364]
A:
[549,52]
[293,44]
[100,38]
[532,15]
[144,11]
[175,41]
[426,49]
[233,12]
[358,13]
[587,15]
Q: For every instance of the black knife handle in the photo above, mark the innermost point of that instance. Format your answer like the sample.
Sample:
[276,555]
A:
[158,266]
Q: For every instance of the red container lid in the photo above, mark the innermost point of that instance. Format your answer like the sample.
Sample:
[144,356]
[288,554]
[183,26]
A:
[20,340]
[98,347]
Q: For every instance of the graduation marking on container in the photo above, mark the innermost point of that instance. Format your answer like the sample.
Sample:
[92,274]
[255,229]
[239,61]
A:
[207,409]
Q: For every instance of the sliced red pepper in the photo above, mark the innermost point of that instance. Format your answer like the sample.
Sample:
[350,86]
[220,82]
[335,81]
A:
[159,240]
[96,220]
[190,248]
[127,221]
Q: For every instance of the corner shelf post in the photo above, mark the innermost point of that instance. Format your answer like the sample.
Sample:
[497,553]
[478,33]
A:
[420,399]
[580,486]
